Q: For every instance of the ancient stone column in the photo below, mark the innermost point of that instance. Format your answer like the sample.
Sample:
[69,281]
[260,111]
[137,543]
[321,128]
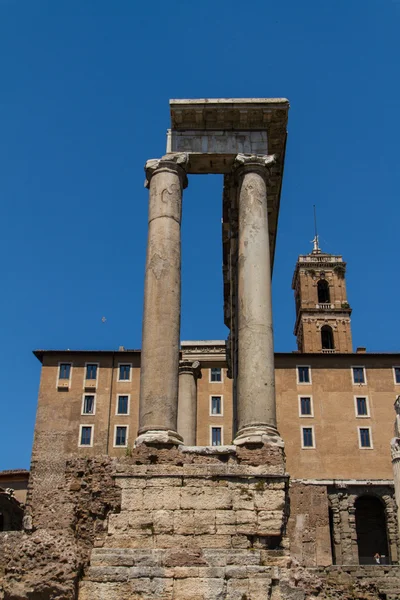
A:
[189,372]
[395,451]
[166,178]
[256,409]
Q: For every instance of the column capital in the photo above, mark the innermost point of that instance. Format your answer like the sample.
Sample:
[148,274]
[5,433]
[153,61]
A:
[190,368]
[254,162]
[175,163]
[395,448]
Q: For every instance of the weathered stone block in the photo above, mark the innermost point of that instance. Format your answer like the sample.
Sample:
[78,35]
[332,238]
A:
[207,499]
[269,499]
[199,589]
[269,522]
[132,499]
[184,522]
[163,521]
[204,521]
[157,498]
[238,589]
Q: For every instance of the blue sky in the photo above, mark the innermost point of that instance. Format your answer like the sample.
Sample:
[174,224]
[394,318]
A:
[84,90]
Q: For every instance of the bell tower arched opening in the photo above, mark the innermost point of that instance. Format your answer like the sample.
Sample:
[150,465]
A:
[327,340]
[323,292]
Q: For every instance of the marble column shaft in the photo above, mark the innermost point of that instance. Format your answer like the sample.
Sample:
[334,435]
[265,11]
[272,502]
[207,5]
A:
[256,377]
[189,372]
[166,179]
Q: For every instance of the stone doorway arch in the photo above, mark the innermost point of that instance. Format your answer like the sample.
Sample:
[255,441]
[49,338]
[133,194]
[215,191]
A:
[371,528]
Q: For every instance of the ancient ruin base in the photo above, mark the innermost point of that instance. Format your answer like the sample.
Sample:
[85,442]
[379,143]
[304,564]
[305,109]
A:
[197,523]
[173,523]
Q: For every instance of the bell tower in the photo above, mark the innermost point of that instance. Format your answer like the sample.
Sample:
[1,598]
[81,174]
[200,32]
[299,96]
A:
[322,310]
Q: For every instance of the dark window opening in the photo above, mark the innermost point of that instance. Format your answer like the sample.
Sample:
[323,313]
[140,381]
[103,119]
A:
[304,374]
[327,338]
[216,436]
[88,405]
[91,371]
[216,375]
[86,436]
[305,406]
[371,531]
[122,405]
[365,437]
[120,436]
[124,372]
[308,437]
[397,374]
[1,522]
[65,371]
[358,375]
[323,292]
[362,407]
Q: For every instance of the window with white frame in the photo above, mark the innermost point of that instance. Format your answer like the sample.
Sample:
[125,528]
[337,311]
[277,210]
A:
[358,375]
[364,437]
[86,435]
[361,406]
[306,406]
[122,404]
[88,406]
[91,371]
[64,371]
[215,405]
[124,372]
[304,374]
[307,437]
[215,375]
[396,374]
[216,436]
[121,435]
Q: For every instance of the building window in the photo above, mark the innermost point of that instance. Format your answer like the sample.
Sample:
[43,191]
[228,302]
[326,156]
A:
[124,372]
[358,375]
[365,438]
[121,435]
[362,406]
[91,371]
[216,405]
[323,292]
[122,405]
[396,374]
[216,375]
[307,437]
[216,436]
[88,404]
[304,374]
[327,338]
[65,371]
[86,435]
[306,409]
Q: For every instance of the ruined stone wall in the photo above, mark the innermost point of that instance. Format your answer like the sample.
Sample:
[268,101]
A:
[46,561]
[173,524]
[308,527]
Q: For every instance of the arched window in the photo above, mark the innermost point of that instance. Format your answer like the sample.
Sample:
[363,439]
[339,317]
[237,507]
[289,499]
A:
[323,292]
[371,530]
[327,338]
